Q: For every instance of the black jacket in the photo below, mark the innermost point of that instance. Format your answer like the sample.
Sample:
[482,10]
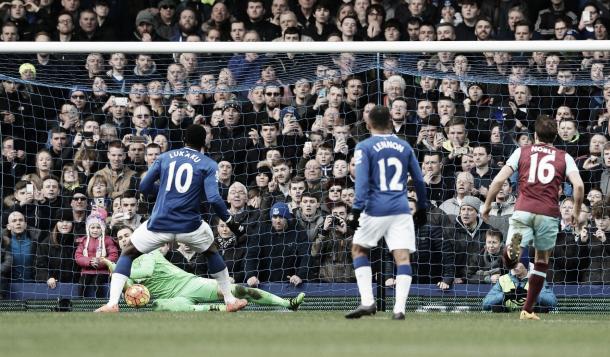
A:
[57,260]
[273,256]
[458,244]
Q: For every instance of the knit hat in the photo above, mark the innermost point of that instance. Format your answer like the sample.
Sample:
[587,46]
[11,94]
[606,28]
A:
[75,89]
[472,202]
[144,16]
[289,110]
[478,84]
[97,216]
[231,103]
[280,209]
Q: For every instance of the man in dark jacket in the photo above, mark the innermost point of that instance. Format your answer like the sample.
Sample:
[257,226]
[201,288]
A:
[464,237]
[279,252]
[21,242]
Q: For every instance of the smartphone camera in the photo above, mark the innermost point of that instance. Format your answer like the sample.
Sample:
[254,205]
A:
[336,222]
[121,102]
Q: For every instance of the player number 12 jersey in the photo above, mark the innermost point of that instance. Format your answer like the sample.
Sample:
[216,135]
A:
[383,165]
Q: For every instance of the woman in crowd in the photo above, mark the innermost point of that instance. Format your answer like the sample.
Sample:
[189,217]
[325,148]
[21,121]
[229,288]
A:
[55,262]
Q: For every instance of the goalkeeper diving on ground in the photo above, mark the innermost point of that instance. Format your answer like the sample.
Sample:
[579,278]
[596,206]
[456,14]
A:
[173,289]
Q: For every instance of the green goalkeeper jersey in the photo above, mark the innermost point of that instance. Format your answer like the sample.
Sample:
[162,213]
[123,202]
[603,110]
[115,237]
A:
[162,278]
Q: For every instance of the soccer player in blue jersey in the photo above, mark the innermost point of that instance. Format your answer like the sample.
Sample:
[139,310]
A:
[381,209]
[185,176]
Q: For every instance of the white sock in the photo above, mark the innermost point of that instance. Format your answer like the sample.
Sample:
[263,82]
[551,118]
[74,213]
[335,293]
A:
[116,288]
[403,284]
[224,284]
[364,277]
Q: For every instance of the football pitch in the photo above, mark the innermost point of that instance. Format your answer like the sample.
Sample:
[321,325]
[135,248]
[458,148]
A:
[305,333]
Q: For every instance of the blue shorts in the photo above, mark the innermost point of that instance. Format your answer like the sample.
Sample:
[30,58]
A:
[535,228]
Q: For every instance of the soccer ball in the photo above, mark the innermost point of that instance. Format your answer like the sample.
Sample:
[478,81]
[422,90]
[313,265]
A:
[137,296]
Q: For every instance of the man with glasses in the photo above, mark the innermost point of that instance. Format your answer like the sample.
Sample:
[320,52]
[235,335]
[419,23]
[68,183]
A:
[78,202]
[141,125]
[65,27]
[78,97]
[273,94]
[164,20]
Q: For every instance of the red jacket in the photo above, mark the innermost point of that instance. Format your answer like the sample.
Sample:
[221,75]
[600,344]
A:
[112,254]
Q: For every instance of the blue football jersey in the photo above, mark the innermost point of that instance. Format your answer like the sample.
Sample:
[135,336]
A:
[185,176]
[383,166]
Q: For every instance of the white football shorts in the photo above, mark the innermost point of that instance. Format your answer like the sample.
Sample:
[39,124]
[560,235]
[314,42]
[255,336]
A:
[397,230]
[146,241]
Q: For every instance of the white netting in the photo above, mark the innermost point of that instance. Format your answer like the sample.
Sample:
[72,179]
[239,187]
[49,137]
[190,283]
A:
[425,93]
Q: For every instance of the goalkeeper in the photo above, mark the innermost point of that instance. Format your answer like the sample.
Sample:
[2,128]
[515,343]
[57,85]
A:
[176,290]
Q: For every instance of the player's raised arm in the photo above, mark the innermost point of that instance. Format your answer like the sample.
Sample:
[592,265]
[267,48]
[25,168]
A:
[147,185]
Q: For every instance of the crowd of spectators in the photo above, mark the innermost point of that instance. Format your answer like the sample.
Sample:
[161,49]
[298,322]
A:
[79,131]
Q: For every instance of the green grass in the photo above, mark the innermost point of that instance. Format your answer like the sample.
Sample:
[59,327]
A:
[252,334]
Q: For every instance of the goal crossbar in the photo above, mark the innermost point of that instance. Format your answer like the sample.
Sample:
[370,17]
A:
[306,47]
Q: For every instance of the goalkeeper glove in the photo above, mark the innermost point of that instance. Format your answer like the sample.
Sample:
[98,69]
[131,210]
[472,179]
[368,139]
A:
[237,228]
[355,222]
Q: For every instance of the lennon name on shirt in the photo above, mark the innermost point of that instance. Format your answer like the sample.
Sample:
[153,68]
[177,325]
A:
[387,144]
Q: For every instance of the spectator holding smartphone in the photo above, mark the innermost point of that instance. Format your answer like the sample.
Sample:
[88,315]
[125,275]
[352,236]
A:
[332,246]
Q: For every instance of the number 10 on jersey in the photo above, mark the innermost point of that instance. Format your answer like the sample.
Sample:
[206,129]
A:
[182,169]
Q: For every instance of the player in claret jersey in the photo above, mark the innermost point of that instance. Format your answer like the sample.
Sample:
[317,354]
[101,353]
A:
[542,169]
[185,177]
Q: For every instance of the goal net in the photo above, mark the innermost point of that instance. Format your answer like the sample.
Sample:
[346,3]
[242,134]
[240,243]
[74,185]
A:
[81,126]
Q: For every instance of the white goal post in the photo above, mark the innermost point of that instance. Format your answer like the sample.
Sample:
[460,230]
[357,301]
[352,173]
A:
[307,47]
